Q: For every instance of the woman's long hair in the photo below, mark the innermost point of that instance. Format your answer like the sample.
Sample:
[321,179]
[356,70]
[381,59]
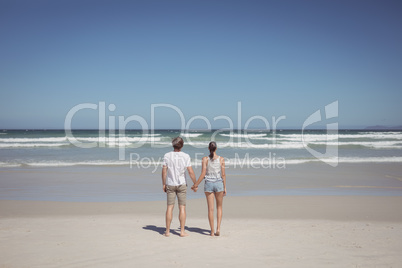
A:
[212,149]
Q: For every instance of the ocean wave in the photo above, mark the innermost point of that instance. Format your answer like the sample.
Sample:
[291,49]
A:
[347,160]
[32,145]
[373,144]
[130,135]
[250,136]
[253,162]
[370,159]
[191,135]
[81,163]
[378,135]
[142,135]
[63,164]
[9,165]
[306,137]
[148,137]
[241,145]
[160,143]
[325,136]
[151,134]
[230,162]
[26,140]
[64,141]
[116,140]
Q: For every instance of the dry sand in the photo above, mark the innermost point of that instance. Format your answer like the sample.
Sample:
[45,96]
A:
[272,231]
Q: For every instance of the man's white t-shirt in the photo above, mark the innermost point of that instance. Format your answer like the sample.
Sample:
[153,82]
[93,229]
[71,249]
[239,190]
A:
[177,163]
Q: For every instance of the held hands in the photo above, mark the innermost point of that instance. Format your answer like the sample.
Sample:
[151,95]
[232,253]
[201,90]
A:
[194,188]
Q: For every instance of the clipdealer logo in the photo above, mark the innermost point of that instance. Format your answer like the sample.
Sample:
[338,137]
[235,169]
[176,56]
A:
[331,150]
[118,124]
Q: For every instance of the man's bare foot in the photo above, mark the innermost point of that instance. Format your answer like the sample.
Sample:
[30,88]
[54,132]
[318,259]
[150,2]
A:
[184,234]
[166,234]
[218,233]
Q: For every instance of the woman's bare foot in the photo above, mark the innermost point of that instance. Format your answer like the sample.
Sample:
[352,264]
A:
[218,233]
[167,234]
[212,234]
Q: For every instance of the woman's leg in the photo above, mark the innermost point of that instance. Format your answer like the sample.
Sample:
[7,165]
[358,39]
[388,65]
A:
[210,202]
[219,202]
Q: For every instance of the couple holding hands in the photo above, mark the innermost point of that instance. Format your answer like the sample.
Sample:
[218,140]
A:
[175,164]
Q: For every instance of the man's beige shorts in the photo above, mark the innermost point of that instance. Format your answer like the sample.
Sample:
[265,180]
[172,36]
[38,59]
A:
[180,191]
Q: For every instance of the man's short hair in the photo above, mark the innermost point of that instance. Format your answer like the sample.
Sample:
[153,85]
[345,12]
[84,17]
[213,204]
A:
[177,143]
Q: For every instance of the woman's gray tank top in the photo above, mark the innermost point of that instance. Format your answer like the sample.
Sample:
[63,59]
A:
[213,170]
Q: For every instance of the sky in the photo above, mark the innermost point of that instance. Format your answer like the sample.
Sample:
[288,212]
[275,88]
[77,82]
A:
[169,64]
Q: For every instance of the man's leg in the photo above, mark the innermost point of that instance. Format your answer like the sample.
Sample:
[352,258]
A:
[181,199]
[182,219]
[171,197]
[169,217]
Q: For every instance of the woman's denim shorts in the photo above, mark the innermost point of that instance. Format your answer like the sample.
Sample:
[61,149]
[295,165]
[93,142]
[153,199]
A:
[213,187]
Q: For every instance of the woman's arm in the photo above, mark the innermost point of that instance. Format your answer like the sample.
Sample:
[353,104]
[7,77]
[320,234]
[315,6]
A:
[203,171]
[223,175]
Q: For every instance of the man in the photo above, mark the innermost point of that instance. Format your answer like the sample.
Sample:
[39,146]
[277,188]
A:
[174,169]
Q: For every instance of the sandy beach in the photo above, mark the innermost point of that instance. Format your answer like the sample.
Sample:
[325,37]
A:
[351,230]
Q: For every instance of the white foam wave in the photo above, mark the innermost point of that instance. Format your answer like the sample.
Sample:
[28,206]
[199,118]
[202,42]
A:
[135,139]
[233,162]
[141,135]
[370,160]
[250,136]
[348,160]
[147,137]
[110,142]
[26,140]
[9,165]
[190,135]
[324,136]
[130,142]
[82,163]
[117,141]
[31,145]
[254,162]
[298,145]
[245,145]
[374,144]
[288,145]
[373,135]
[306,137]
[153,135]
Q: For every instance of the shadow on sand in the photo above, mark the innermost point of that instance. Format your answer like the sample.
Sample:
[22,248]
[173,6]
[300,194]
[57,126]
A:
[161,230]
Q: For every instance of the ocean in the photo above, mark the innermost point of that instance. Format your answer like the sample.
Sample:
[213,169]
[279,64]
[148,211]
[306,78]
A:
[56,148]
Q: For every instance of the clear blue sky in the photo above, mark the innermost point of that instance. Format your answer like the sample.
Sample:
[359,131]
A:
[278,58]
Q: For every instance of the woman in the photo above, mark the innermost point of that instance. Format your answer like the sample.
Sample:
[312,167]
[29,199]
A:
[213,170]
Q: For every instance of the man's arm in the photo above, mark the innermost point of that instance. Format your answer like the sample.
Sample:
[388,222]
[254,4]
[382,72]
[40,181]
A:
[203,171]
[164,175]
[191,173]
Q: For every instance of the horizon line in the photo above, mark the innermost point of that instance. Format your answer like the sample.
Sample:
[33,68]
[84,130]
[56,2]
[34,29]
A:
[202,129]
